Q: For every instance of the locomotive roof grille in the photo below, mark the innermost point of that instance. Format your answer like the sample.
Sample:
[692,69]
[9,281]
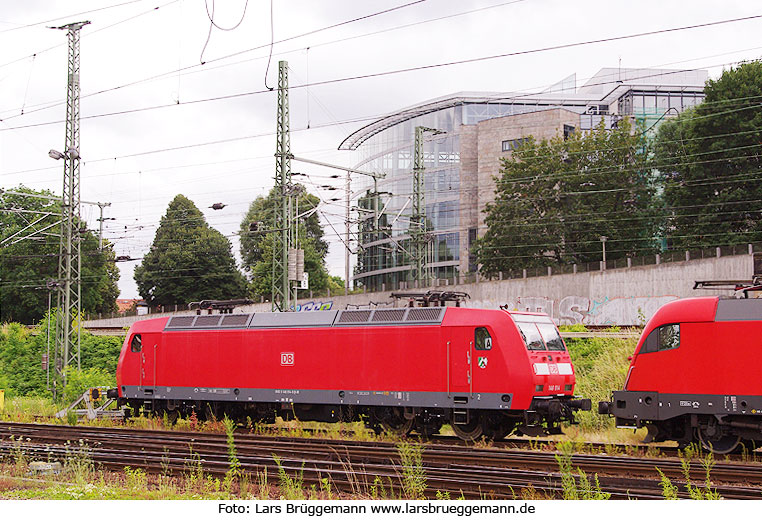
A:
[425,314]
[354,317]
[388,315]
[235,320]
[307,319]
[207,321]
[187,322]
[180,322]
[399,316]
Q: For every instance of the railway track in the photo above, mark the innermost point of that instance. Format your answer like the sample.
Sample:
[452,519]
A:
[353,466]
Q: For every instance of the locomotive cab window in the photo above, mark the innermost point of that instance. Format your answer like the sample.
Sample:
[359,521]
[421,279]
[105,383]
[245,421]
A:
[483,340]
[136,344]
[552,337]
[531,336]
[662,338]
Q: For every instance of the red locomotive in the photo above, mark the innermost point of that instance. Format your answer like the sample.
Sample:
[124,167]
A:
[695,375]
[486,372]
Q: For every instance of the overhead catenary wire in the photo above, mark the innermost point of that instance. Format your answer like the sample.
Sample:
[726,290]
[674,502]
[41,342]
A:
[410,69]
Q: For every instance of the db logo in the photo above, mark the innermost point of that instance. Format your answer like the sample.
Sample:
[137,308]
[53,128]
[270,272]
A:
[286,359]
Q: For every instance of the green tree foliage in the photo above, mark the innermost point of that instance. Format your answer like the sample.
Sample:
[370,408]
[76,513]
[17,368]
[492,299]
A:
[257,247]
[78,380]
[21,351]
[188,260]
[261,213]
[710,159]
[27,265]
[556,198]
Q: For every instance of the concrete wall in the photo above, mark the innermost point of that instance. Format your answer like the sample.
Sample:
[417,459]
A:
[627,296]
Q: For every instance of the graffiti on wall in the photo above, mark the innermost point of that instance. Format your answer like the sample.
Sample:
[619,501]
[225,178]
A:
[621,311]
[314,306]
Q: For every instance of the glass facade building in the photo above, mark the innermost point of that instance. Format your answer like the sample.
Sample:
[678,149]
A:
[474,130]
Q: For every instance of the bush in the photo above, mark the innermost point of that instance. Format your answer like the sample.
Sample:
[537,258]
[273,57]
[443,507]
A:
[21,350]
[20,361]
[601,366]
[77,381]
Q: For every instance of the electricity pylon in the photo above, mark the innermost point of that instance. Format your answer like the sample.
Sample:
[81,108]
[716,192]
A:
[419,235]
[283,296]
[67,347]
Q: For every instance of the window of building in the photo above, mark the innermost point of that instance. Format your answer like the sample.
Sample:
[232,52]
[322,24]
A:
[510,145]
[568,131]
[136,344]
[472,262]
[482,339]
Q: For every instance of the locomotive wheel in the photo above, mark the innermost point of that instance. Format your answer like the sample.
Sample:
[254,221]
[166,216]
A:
[399,426]
[471,431]
[747,446]
[394,422]
[501,431]
[717,444]
[497,427]
[172,416]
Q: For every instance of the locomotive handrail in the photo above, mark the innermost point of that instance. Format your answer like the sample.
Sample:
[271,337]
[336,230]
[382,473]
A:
[471,368]
[448,365]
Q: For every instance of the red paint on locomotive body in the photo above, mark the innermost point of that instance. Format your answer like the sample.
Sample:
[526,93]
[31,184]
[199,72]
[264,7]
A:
[473,357]
[684,368]
[696,374]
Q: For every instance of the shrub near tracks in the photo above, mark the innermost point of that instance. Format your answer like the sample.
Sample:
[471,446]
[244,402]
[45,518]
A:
[601,366]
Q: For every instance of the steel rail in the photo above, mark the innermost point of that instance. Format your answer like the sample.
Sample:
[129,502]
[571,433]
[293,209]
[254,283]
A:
[499,472]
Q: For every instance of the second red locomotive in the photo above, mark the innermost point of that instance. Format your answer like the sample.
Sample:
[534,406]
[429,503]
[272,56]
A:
[695,375]
[485,372]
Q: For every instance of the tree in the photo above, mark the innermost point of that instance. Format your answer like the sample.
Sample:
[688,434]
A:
[710,159]
[556,198]
[257,245]
[261,213]
[188,261]
[28,264]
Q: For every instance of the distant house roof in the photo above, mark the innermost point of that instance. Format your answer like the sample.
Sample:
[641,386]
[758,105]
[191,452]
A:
[125,304]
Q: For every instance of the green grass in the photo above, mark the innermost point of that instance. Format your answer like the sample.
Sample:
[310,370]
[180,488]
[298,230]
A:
[601,366]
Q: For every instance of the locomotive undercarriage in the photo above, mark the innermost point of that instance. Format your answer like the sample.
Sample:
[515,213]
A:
[666,419]
[716,433]
[468,424]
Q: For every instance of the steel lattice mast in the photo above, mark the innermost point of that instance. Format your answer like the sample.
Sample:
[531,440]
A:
[67,347]
[419,236]
[281,290]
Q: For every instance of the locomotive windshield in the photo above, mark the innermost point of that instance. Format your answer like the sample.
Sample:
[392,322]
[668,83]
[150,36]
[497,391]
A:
[532,337]
[541,336]
[552,337]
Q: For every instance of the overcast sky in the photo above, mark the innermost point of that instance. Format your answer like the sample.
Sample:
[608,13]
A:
[149,130]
